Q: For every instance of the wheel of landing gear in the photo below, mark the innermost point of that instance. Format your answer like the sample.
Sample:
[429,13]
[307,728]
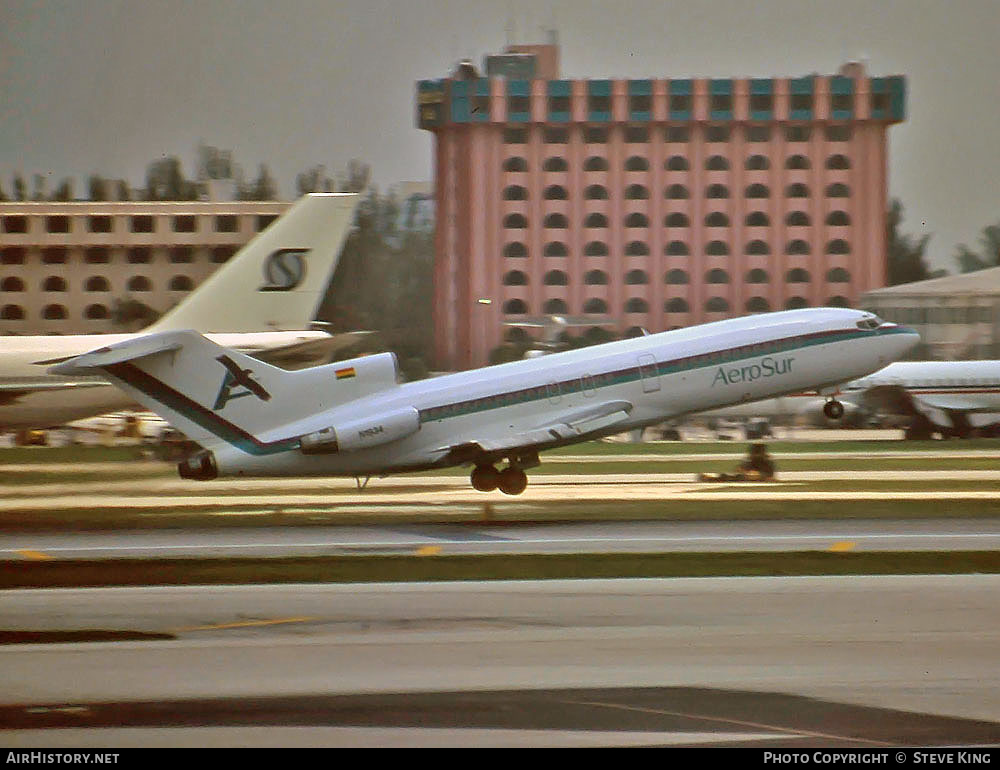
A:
[833,409]
[513,481]
[484,478]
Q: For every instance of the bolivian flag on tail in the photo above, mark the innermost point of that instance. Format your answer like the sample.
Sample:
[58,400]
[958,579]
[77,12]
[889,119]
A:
[343,374]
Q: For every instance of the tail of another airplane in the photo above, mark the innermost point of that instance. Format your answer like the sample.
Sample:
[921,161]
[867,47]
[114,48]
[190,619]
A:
[276,281]
[218,396]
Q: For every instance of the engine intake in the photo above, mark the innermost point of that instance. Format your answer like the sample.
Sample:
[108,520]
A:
[201,467]
[368,431]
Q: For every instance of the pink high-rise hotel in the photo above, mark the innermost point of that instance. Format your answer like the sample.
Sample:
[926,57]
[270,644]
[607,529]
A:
[656,203]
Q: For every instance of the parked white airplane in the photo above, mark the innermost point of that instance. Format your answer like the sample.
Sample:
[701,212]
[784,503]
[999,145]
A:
[261,302]
[953,398]
[352,418]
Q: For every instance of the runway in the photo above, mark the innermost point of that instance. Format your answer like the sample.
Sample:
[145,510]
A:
[838,661]
[516,538]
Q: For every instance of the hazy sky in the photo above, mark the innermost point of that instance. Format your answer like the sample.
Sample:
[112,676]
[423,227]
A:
[108,85]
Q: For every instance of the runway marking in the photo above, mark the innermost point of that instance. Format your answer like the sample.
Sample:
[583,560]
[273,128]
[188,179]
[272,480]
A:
[843,546]
[28,553]
[429,550]
[245,624]
[742,723]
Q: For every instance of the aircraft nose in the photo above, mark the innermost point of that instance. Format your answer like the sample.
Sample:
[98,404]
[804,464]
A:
[903,339]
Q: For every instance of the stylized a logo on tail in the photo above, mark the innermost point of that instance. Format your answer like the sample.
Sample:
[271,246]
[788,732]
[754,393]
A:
[237,377]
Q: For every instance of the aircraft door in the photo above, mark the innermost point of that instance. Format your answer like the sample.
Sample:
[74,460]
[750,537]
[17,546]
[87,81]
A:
[649,373]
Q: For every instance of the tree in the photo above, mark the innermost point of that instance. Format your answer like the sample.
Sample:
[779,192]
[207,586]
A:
[124,193]
[20,189]
[38,191]
[263,187]
[64,192]
[314,180]
[165,181]
[98,187]
[905,256]
[989,256]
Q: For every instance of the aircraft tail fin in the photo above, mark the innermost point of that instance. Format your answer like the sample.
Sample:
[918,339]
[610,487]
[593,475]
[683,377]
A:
[216,395]
[277,280]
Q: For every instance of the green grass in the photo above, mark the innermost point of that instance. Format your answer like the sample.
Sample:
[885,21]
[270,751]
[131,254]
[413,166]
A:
[349,569]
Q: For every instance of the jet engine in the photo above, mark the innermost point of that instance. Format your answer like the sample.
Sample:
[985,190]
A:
[362,433]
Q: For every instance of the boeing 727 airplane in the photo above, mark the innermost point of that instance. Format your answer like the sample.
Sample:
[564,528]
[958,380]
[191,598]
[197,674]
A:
[353,418]
[261,301]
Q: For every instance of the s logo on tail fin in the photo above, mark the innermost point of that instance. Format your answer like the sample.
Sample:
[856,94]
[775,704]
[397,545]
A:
[236,376]
[284,269]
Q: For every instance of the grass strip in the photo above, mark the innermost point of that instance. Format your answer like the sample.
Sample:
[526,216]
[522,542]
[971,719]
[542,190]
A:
[364,569]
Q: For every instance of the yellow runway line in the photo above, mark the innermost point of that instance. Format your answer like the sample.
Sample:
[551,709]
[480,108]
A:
[244,624]
[429,550]
[35,555]
[843,546]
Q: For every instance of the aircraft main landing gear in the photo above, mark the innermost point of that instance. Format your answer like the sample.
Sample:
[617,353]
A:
[512,480]
[485,478]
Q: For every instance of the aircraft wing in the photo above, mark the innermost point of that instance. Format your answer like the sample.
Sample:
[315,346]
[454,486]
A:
[888,399]
[570,424]
[11,392]
[299,355]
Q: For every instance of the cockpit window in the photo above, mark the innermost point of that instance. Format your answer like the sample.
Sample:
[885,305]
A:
[871,322]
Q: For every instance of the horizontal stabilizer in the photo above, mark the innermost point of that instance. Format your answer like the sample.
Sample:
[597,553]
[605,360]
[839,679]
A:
[130,350]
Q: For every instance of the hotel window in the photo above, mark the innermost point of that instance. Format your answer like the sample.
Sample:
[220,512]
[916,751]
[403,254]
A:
[54,313]
[181,255]
[758,276]
[596,278]
[838,190]
[15,224]
[717,219]
[515,164]
[99,224]
[12,256]
[593,135]
[97,255]
[264,220]
[797,190]
[676,134]
[677,219]
[635,219]
[515,192]
[54,283]
[838,246]
[838,162]
[595,305]
[679,103]
[555,249]
[636,134]
[797,133]
[676,305]
[717,276]
[717,191]
[758,133]
[559,104]
[838,133]
[636,277]
[12,283]
[717,305]
[556,278]
[636,163]
[555,306]
[838,218]
[797,275]
[139,283]
[97,283]
[676,163]
[640,103]
[555,164]
[721,103]
[838,275]
[758,247]
[57,224]
[595,192]
[54,255]
[761,103]
[598,103]
[555,221]
[180,283]
[637,305]
[676,277]
[515,307]
[879,102]
[758,305]
[227,223]
[717,134]
[518,104]
[12,313]
[757,219]
[142,223]
[717,249]
[676,249]
[758,163]
[636,249]
[841,103]
[797,246]
[636,192]
[797,162]
[96,313]
[515,221]
[139,255]
[801,102]
[757,191]
[794,303]
[595,249]
[515,136]
[515,249]
[555,192]
[556,136]
[185,223]
[717,163]
[797,219]
[595,163]
[515,278]
[838,301]
[595,220]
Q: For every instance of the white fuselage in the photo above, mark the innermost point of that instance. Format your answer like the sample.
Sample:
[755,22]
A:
[661,376]
[48,400]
